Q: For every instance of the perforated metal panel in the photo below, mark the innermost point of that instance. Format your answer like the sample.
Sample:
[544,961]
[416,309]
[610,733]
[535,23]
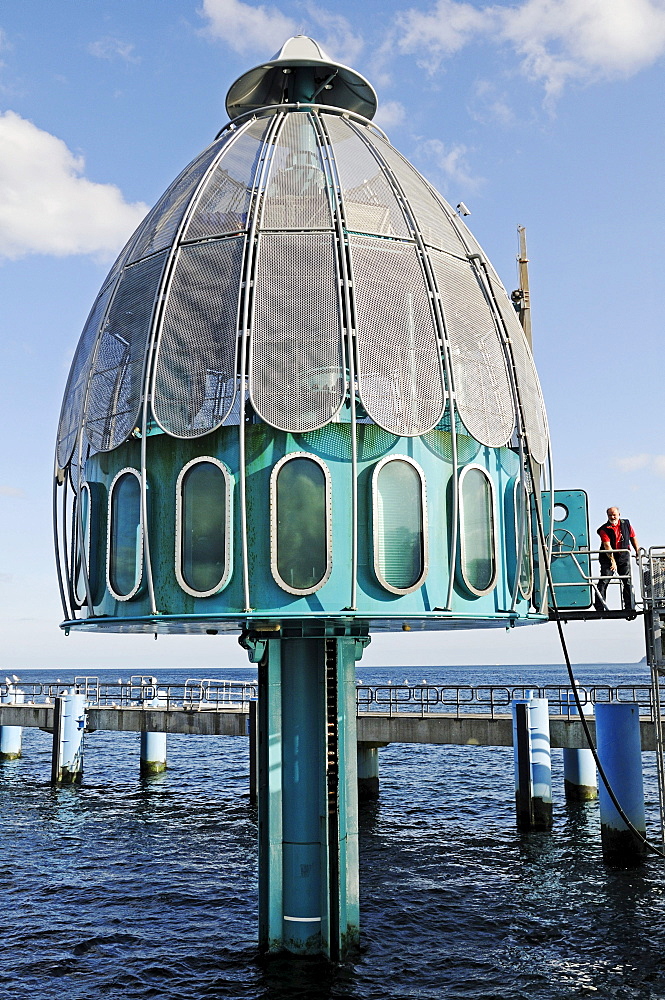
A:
[482,385]
[434,223]
[474,246]
[297,192]
[400,378]
[370,205]
[224,201]
[196,361]
[528,385]
[160,225]
[70,415]
[116,377]
[297,380]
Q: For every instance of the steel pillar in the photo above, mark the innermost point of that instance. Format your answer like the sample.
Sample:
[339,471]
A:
[68,729]
[620,753]
[533,765]
[308,799]
[10,736]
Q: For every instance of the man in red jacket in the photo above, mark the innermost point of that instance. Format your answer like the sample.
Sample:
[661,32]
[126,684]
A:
[617,533]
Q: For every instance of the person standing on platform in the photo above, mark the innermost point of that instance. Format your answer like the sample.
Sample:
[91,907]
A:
[617,533]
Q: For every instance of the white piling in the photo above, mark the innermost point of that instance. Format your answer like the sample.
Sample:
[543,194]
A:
[153,744]
[10,736]
[368,771]
[533,764]
[579,767]
[68,730]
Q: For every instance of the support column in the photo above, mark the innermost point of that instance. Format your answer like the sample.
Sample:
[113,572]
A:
[620,753]
[68,729]
[579,767]
[10,736]
[153,745]
[368,771]
[533,765]
[308,800]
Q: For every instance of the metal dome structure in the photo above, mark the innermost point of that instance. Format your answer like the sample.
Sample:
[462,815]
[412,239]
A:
[299,276]
[302,409]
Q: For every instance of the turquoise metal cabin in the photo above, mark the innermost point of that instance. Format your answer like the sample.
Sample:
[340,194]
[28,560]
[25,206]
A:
[302,408]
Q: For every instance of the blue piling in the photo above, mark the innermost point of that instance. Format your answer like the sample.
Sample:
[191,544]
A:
[10,736]
[153,745]
[533,764]
[68,730]
[620,753]
[579,766]
[368,771]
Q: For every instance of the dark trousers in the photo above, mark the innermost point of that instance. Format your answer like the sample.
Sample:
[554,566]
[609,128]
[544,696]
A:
[622,560]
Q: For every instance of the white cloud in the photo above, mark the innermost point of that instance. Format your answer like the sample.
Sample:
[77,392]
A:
[446,29]
[556,40]
[633,463]
[564,39]
[113,48]
[339,39]
[390,114]
[46,204]
[11,491]
[450,161]
[489,105]
[246,28]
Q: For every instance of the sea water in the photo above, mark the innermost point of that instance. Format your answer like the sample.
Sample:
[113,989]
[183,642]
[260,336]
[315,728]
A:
[128,888]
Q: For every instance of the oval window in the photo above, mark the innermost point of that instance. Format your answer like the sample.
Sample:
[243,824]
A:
[81,545]
[400,560]
[523,523]
[301,559]
[203,501]
[477,536]
[125,547]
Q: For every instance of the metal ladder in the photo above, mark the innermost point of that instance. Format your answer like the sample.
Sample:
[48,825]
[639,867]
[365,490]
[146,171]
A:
[652,572]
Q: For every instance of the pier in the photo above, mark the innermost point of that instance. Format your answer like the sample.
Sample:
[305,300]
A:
[459,715]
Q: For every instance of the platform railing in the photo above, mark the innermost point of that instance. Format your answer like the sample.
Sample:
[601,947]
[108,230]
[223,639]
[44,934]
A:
[591,579]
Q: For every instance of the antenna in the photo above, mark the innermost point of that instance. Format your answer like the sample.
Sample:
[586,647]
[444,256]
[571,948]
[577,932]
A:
[520,297]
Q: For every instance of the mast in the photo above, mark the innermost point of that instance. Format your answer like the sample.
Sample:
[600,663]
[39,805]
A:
[521,298]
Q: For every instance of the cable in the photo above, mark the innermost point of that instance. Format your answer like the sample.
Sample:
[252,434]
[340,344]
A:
[564,648]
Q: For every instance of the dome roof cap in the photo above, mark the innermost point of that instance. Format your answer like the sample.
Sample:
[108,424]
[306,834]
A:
[301,72]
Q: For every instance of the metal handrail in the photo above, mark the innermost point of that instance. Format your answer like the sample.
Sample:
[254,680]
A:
[490,700]
[143,691]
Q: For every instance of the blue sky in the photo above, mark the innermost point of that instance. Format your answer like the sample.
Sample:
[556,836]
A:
[544,113]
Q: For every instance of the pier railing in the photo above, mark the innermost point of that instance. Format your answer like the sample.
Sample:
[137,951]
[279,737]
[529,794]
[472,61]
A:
[490,700]
[213,694]
[193,694]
